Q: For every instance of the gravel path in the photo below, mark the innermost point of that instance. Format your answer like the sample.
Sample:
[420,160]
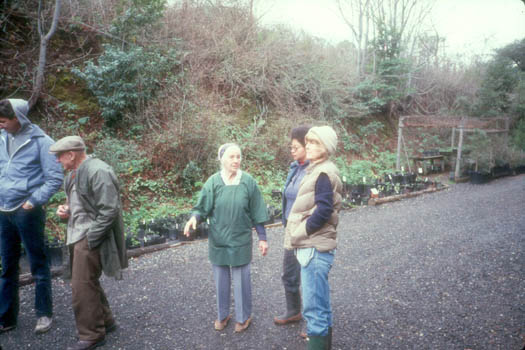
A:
[439,271]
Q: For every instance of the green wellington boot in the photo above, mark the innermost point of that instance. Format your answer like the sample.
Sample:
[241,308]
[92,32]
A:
[317,342]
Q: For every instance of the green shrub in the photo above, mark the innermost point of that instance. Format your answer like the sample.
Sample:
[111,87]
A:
[357,172]
[124,156]
[518,135]
[191,175]
[124,81]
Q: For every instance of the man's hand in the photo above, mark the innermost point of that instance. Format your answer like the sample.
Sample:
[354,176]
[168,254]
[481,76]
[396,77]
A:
[263,247]
[27,206]
[63,211]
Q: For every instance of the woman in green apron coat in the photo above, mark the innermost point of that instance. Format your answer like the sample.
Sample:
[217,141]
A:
[234,205]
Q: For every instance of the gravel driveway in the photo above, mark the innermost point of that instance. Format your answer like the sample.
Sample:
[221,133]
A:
[439,271]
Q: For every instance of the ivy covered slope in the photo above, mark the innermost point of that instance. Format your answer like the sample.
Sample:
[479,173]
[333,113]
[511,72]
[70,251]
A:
[154,89]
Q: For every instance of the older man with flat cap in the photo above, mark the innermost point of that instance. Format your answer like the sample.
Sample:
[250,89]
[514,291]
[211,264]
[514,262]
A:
[95,235]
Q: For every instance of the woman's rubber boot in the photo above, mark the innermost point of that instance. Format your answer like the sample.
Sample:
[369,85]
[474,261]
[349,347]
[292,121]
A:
[317,342]
[293,310]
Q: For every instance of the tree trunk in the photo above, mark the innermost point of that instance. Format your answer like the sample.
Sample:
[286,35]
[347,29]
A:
[44,40]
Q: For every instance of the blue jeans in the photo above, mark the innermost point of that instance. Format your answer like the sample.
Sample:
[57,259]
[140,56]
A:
[317,311]
[27,227]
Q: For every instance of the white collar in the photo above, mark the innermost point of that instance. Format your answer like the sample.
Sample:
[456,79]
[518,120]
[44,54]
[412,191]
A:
[236,180]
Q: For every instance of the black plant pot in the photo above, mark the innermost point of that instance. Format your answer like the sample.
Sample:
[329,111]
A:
[397,178]
[276,195]
[520,169]
[55,251]
[130,244]
[153,239]
[478,177]
[203,230]
[271,218]
[174,233]
[193,234]
[502,170]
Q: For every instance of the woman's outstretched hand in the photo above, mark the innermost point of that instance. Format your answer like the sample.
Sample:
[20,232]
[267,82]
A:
[192,223]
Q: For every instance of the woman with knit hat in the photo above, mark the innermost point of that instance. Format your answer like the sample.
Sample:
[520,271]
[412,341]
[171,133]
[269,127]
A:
[311,232]
[233,203]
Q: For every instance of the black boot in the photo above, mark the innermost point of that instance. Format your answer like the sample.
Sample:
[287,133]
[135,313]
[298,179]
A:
[329,344]
[293,309]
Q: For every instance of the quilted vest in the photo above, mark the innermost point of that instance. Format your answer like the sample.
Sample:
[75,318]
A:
[304,206]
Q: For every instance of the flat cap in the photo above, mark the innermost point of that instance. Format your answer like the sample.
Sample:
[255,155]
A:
[68,143]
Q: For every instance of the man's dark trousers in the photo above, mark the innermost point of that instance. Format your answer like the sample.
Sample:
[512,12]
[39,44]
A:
[90,305]
[27,227]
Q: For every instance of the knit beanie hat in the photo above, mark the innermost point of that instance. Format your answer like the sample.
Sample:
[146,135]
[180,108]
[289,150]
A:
[327,136]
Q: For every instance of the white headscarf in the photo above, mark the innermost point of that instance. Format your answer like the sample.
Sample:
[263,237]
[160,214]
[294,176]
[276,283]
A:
[224,147]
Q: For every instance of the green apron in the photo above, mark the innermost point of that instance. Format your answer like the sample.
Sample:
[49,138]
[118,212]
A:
[233,211]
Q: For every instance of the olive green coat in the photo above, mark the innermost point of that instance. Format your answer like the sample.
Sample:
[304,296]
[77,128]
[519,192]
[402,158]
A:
[99,191]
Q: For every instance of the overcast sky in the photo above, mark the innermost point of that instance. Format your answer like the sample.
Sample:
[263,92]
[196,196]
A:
[473,27]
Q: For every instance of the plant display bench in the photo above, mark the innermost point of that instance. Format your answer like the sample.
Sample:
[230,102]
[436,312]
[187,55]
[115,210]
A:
[428,163]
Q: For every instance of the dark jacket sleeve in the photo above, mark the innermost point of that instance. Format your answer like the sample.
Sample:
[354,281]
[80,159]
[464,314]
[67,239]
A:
[324,201]
[261,232]
[293,168]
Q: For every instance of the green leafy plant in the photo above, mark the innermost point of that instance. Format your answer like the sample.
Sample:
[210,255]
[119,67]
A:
[123,155]
[357,172]
[137,19]
[191,175]
[124,81]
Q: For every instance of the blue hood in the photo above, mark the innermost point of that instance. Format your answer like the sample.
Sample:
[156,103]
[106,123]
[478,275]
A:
[20,107]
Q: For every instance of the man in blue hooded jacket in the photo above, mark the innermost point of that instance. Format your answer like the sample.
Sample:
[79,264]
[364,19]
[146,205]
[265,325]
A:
[29,176]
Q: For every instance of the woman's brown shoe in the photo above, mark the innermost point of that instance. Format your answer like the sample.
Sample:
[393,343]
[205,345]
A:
[220,325]
[285,319]
[241,327]
[303,334]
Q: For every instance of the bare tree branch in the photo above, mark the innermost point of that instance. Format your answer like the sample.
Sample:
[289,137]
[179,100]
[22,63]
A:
[44,40]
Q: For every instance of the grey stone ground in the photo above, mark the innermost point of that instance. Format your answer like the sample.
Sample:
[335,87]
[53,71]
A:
[440,271]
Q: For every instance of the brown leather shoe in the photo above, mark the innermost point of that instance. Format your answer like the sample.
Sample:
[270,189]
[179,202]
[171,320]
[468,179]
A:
[87,345]
[241,327]
[303,335]
[220,325]
[282,321]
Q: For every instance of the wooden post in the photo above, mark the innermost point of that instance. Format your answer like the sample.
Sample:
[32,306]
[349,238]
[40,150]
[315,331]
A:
[452,165]
[507,127]
[460,146]
[399,140]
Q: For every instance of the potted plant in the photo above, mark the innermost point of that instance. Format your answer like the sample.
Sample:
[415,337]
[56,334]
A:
[482,169]
[517,161]
[55,250]
[482,156]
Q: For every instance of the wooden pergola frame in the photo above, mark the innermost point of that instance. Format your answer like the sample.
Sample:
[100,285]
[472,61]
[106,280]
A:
[497,125]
